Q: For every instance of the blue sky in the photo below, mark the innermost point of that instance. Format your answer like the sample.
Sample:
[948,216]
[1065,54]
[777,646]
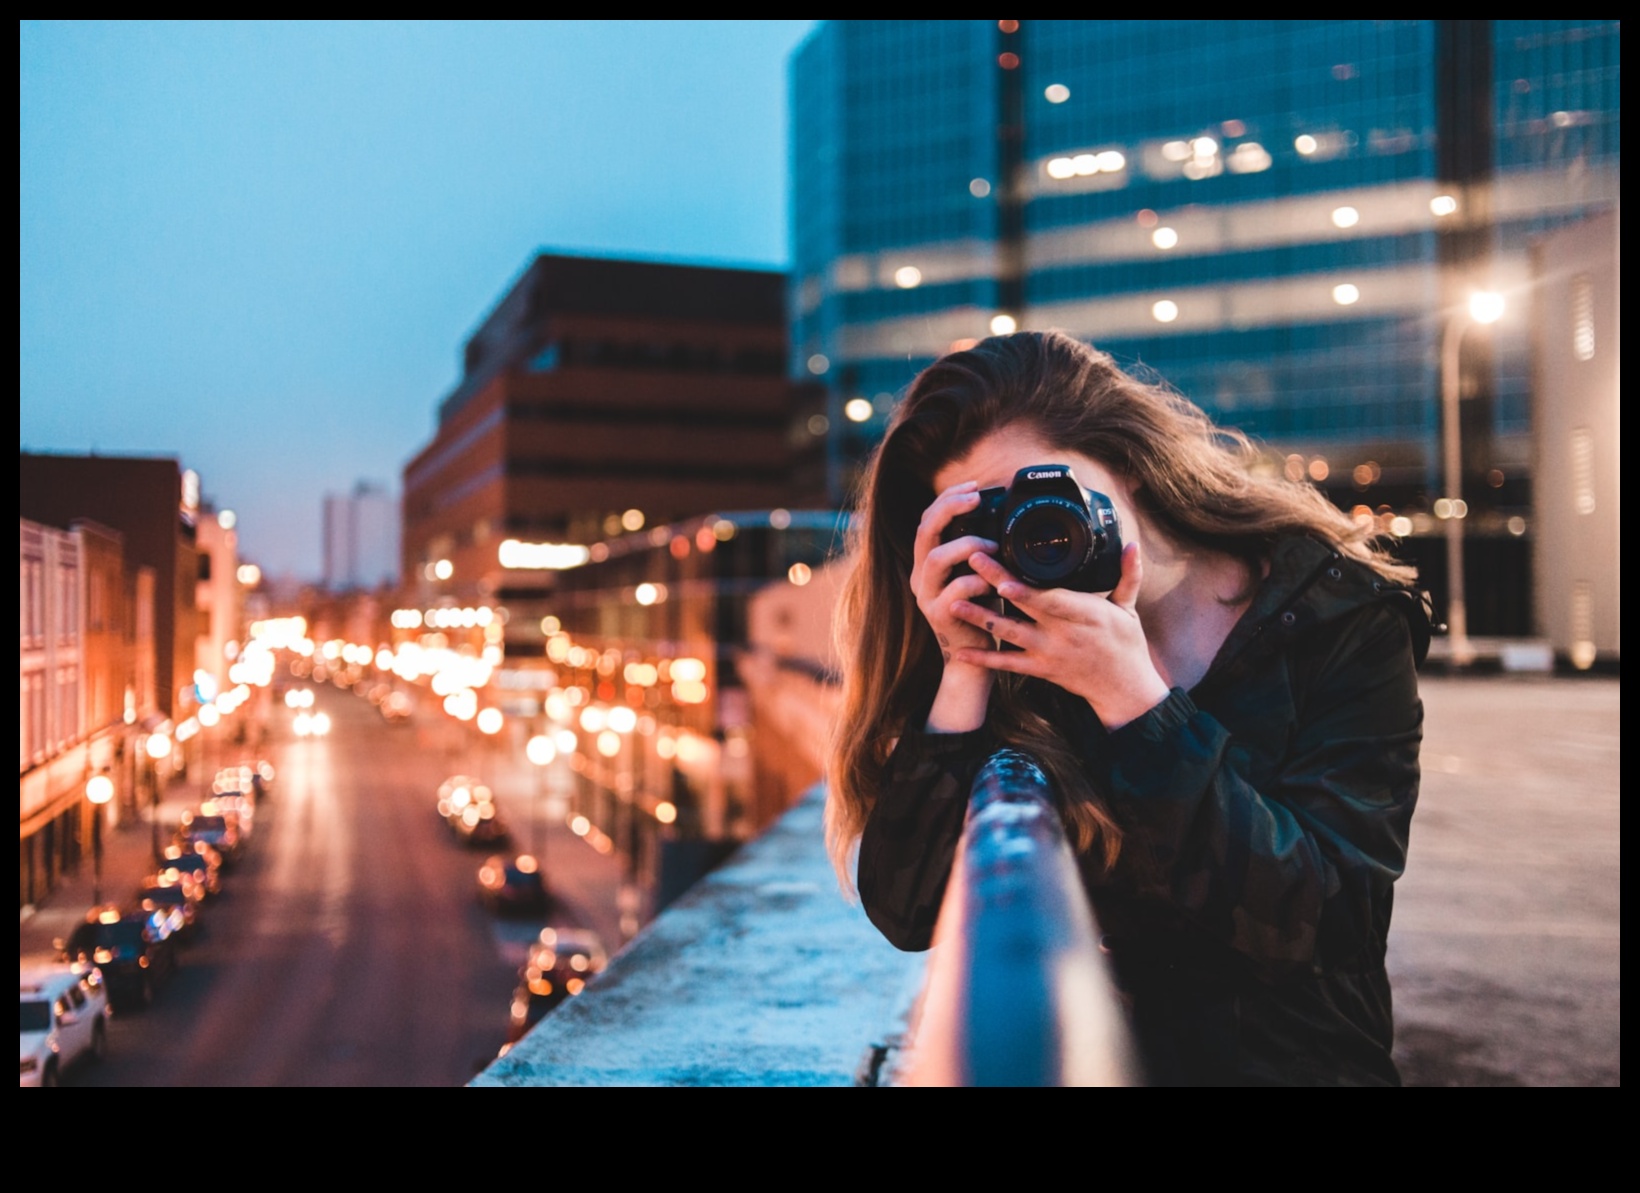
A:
[259,247]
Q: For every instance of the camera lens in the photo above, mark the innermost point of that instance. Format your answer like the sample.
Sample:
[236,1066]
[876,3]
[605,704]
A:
[1047,540]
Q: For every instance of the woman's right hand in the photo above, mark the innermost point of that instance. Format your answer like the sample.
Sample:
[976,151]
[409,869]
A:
[965,689]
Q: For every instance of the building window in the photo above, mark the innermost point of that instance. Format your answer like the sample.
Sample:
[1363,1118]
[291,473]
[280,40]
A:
[1583,470]
[204,565]
[1583,317]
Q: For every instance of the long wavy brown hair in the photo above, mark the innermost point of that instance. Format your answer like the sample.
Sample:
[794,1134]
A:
[1197,482]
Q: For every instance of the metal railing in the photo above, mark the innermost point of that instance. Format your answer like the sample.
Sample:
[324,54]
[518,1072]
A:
[1017,991]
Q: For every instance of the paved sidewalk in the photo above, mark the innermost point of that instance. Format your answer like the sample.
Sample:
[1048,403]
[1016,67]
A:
[1506,946]
[128,857]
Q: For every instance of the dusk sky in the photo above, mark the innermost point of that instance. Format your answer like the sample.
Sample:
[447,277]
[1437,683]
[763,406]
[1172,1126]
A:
[259,247]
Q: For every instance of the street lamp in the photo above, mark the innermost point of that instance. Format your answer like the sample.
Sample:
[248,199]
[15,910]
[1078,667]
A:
[158,749]
[1483,307]
[99,789]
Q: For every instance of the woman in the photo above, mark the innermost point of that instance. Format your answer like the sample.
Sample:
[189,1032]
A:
[1232,732]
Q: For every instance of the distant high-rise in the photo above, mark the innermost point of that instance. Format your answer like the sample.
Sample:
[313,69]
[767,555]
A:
[361,539]
[1278,217]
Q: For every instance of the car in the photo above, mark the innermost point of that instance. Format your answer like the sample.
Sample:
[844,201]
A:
[513,886]
[136,950]
[163,893]
[62,1021]
[561,963]
[218,829]
[203,863]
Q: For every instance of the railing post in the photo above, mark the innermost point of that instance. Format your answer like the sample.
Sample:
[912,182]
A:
[1017,993]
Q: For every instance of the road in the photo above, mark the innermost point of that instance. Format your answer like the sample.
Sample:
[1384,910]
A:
[348,948]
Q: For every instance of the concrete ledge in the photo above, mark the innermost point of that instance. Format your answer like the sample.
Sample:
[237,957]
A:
[761,975]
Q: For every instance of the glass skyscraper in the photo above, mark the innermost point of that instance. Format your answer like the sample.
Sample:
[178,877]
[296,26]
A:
[1280,218]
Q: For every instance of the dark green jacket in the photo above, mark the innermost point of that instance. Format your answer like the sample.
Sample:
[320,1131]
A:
[1266,815]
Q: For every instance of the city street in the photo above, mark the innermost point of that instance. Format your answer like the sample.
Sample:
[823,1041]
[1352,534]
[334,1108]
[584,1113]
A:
[348,948]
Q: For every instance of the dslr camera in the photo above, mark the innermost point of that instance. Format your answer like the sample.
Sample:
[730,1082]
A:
[1049,531]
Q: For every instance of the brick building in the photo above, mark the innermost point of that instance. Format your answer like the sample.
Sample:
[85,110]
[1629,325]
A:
[601,395]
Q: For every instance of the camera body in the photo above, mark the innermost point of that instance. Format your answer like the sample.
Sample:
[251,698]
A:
[1050,532]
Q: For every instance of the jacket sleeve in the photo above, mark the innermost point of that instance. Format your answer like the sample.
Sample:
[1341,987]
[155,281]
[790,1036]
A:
[911,836]
[1294,873]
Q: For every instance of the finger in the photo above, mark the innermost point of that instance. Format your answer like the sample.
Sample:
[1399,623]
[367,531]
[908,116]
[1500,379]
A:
[1126,592]
[939,561]
[1051,602]
[955,500]
[967,588]
[1016,661]
[1009,629]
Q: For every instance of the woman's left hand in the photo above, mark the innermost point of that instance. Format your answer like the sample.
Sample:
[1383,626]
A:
[1091,645]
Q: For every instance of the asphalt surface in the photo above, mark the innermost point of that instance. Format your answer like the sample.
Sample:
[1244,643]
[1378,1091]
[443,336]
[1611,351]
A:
[1506,944]
[348,947]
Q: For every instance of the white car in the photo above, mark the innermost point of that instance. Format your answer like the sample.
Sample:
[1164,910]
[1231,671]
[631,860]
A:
[62,1019]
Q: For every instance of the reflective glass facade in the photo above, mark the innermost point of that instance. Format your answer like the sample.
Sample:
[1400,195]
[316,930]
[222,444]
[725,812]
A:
[1279,218]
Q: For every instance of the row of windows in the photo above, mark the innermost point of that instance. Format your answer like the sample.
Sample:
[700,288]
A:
[48,714]
[32,598]
[655,355]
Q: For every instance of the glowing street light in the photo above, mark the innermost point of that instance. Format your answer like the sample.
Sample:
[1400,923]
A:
[1483,307]
[99,789]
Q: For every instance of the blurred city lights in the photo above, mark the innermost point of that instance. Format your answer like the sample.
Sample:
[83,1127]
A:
[1345,217]
[979,188]
[1305,144]
[857,410]
[227,519]
[1400,526]
[99,789]
[1057,93]
[632,520]
[819,424]
[1165,311]
[443,569]
[1443,205]
[908,277]
[249,575]
[1344,294]
[1164,238]
[609,743]
[818,363]
[622,719]
[490,721]
[646,594]
[666,812]
[799,574]
[780,519]
[1003,325]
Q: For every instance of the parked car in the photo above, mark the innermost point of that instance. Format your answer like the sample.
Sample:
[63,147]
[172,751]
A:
[513,886]
[182,895]
[203,863]
[136,950]
[217,829]
[62,1017]
[561,962]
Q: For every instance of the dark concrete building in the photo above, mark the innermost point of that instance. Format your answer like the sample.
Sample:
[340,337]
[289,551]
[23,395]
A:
[603,396]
